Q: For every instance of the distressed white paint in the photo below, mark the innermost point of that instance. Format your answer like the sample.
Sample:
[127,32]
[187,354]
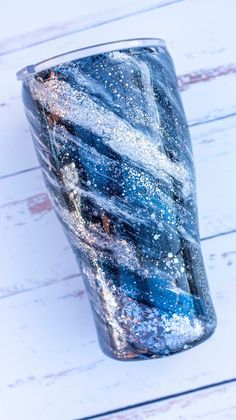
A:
[53,365]
[26,217]
[203,101]
[216,403]
[191,29]
[50,20]
[186,46]
[50,363]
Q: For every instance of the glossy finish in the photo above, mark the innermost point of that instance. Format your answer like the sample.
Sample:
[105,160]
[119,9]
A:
[112,140]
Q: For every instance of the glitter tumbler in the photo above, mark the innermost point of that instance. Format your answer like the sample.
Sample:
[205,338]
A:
[113,143]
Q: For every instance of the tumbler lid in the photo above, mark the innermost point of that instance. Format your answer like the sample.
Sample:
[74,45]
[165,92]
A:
[30,70]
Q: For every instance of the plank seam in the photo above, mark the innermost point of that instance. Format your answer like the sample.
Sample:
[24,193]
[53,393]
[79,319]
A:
[86,27]
[66,278]
[156,400]
[9,295]
[22,171]
[34,168]
[217,235]
[221,117]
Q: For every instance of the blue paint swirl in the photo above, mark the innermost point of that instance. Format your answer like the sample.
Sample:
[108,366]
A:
[112,139]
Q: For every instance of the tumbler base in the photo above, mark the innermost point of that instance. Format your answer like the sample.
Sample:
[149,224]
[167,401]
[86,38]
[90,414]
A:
[145,354]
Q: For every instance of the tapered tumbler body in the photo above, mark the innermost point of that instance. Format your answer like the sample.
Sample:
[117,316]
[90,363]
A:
[113,143]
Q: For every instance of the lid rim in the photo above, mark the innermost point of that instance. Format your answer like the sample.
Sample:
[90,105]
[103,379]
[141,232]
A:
[84,52]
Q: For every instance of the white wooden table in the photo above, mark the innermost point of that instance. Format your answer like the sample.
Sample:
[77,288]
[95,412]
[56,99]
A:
[51,367]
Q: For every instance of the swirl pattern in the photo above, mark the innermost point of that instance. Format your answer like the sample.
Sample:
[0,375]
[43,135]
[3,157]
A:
[112,139]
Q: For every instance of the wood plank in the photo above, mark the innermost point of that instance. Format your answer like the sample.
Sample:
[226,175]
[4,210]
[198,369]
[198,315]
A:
[35,251]
[214,153]
[203,101]
[60,21]
[206,76]
[214,403]
[197,45]
[51,364]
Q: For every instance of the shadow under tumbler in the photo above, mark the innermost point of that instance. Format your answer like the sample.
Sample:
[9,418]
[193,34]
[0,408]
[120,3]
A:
[113,143]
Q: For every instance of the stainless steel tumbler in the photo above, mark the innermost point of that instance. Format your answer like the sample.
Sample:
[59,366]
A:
[112,139]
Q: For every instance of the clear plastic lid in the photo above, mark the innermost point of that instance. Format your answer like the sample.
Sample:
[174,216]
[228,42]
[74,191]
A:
[30,70]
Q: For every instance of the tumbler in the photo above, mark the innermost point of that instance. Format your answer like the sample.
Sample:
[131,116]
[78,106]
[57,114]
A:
[113,143]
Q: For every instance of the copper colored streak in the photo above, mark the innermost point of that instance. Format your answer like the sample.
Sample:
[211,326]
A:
[106,223]
[39,204]
[53,118]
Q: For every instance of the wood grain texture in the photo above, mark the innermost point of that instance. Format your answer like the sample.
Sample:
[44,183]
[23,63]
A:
[50,362]
[216,403]
[17,151]
[54,359]
[199,68]
[61,20]
[199,43]
[28,222]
